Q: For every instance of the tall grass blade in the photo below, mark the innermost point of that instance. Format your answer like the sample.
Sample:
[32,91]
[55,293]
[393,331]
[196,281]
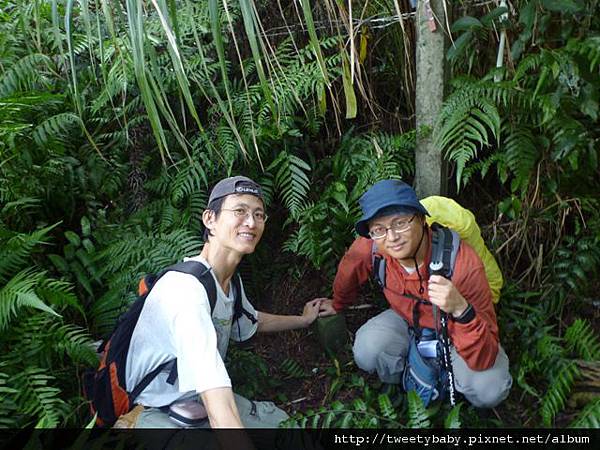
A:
[248,19]
[136,36]
[69,33]
[314,40]
[217,33]
[161,9]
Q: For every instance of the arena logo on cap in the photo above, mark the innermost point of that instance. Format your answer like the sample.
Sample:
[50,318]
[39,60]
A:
[247,190]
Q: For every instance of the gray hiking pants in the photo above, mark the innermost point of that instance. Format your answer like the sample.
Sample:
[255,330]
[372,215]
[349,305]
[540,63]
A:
[252,414]
[381,345]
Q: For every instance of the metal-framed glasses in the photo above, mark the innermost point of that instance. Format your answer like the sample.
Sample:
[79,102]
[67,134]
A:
[398,226]
[243,213]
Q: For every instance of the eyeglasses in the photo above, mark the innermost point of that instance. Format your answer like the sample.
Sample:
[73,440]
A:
[259,216]
[398,226]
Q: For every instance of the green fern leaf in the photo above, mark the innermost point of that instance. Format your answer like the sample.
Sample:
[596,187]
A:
[25,75]
[291,180]
[59,127]
[16,249]
[452,420]
[292,368]
[191,179]
[417,413]
[18,293]
[38,399]
[467,122]
[581,338]
[386,407]
[521,152]
[589,417]
[559,388]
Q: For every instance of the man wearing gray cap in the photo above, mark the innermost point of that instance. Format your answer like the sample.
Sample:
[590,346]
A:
[179,321]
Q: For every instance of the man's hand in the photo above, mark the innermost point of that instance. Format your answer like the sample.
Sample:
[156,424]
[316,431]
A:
[326,308]
[443,294]
[311,311]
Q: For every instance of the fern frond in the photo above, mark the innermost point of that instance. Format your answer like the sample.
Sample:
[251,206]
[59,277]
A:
[38,399]
[581,338]
[556,396]
[291,179]
[589,47]
[467,123]
[292,368]
[452,420]
[521,152]
[417,413]
[59,127]
[191,178]
[59,293]
[76,343]
[7,400]
[25,75]
[18,293]
[589,417]
[16,249]
[385,406]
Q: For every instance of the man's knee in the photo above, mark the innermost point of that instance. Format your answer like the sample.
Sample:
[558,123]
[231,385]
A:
[486,388]
[365,353]
[386,333]
[488,393]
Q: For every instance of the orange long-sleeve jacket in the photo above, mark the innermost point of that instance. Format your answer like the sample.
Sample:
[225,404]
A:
[476,342]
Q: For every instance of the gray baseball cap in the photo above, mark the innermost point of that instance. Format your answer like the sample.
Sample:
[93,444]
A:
[235,185]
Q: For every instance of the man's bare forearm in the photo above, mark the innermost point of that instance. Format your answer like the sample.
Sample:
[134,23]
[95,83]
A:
[268,323]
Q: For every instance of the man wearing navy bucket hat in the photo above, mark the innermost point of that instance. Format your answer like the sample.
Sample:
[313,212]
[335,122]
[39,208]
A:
[440,333]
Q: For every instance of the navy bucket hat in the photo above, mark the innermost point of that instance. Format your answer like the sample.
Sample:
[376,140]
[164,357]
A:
[392,195]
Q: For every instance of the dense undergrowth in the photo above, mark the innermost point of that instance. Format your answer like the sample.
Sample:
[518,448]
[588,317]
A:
[116,118]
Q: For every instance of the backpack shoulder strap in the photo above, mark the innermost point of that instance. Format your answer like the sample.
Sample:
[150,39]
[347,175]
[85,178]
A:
[444,248]
[378,264]
[201,273]
[238,307]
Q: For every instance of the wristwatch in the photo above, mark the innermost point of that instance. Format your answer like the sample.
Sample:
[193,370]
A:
[467,315]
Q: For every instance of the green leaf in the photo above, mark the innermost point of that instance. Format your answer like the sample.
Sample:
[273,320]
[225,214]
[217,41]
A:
[59,262]
[453,418]
[86,229]
[314,40]
[417,414]
[466,23]
[88,245]
[73,238]
[567,6]
[348,88]
[459,45]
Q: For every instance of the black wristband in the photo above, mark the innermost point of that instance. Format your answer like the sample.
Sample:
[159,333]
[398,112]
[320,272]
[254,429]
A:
[467,315]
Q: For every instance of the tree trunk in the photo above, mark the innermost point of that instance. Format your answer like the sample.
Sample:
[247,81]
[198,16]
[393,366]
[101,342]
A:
[430,176]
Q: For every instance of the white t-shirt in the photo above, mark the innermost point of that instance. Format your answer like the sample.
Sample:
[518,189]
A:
[176,323]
